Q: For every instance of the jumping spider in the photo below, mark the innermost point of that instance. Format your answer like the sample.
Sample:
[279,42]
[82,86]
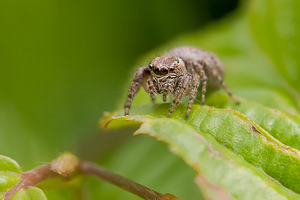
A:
[180,72]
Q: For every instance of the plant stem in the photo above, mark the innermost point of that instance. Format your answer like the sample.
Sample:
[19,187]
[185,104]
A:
[31,178]
[44,172]
[133,187]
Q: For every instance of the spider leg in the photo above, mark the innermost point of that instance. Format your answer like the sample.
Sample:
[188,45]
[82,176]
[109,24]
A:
[228,92]
[199,69]
[151,89]
[190,67]
[193,93]
[180,91]
[225,87]
[141,74]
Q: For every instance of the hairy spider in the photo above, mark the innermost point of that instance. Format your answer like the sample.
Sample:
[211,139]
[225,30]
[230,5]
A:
[180,72]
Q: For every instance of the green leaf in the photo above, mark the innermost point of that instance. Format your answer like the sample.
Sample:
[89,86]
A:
[10,174]
[249,73]
[147,162]
[263,129]
[31,193]
[215,163]
[281,125]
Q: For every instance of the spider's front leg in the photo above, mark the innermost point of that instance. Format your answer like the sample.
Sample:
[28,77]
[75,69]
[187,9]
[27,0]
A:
[140,75]
[180,91]
[199,70]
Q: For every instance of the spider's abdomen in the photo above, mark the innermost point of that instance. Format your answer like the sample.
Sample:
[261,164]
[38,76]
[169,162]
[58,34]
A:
[210,62]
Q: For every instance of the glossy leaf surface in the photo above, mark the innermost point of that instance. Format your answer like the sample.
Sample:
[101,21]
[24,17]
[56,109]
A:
[215,163]
[10,174]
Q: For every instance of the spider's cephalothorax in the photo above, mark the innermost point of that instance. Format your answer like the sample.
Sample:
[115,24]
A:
[165,73]
[180,72]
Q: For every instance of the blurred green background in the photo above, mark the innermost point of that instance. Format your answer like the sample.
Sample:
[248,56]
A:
[65,62]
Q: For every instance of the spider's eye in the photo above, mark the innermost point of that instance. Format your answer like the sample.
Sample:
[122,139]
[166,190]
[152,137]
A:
[164,71]
[177,61]
[172,69]
[150,66]
[155,70]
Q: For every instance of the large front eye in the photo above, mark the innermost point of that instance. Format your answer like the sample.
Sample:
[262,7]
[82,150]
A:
[164,71]
[155,70]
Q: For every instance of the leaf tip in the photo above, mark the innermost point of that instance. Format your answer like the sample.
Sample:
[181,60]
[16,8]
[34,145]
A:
[8,164]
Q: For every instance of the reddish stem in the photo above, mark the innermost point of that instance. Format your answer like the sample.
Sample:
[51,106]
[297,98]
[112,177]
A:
[44,172]
[133,187]
[31,178]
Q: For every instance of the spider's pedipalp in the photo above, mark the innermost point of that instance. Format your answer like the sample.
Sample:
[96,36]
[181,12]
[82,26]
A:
[166,92]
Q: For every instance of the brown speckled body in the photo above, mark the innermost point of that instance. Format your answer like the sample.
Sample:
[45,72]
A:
[209,60]
[180,72]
